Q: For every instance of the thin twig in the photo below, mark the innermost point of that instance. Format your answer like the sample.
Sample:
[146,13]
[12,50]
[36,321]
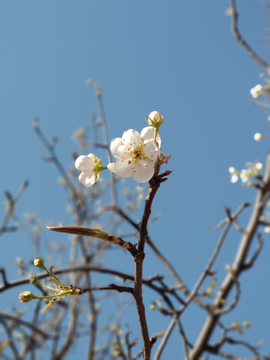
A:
[242,41]
[233,303]
[27,324]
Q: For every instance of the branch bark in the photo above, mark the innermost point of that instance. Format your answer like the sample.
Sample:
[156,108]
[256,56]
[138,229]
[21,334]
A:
[237,267]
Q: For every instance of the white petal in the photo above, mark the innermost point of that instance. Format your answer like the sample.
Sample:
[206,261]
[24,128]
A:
[148,133]
[131,137]
[144,171]
[151,150]
[124,167]
[88,178]
[85,162]
[234,179]
[231,170]
[124,151]
[111,167]
[115,143]
[259,166]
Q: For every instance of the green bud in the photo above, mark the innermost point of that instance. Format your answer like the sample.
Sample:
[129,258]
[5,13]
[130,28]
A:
[39,262]
[26,296]
[34,280]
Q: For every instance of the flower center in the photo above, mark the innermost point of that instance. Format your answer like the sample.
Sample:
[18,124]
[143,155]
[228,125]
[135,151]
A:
[137,153]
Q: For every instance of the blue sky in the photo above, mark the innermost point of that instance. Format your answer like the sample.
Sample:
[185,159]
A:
[179,58]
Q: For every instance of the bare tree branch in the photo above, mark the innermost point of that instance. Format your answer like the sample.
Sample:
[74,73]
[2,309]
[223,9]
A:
[242,41]
[238,265]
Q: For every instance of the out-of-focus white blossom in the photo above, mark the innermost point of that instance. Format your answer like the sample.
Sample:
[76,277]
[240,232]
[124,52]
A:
[259,166]
[252,170]
[245,175]
[79,134]
[257,91]
[234,174]
[234,178]
[258,137]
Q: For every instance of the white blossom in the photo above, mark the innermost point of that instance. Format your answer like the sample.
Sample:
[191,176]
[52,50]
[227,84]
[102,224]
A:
[252,170]
[234,174]
[245,175]
[136,154]
[257,91]
[259,166]
[89,165]
[258,137]
[234,178]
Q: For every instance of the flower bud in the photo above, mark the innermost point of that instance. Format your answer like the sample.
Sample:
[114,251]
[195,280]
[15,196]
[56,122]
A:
[26,296]
[247,324]
[34,280]
[259,166]
[39,262]
[155,119]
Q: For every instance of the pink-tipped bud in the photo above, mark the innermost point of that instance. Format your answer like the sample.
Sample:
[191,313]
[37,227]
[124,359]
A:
[26,296]
[155,119]
[39,262]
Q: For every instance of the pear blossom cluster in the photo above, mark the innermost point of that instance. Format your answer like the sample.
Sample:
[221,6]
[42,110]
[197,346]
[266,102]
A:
[135,155]
[259,89]
[252,171]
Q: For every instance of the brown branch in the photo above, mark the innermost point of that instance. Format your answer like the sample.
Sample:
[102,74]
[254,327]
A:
[233,303]
[71,331]
[54,157]
[147,282]
[183,337]
[215,349]
[205,273]
[16,319]
[252,260]
[238,264]
[242,41]
[12,200]
[138,259]
[105,135]
[159,255]
[11,340]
